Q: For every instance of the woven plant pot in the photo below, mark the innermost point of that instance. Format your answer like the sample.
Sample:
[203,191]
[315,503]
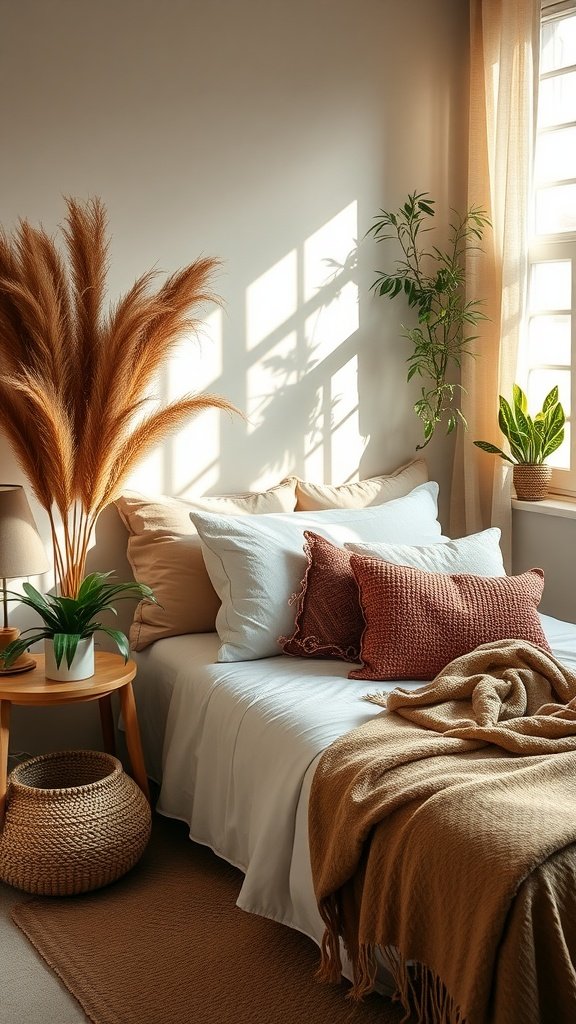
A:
[74,822]
[531,481]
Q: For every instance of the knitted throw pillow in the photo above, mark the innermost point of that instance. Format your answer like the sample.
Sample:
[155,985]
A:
[417,622]
[329,620]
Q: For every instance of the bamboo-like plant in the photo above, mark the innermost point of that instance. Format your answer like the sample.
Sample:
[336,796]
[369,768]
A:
[432,281]
[74,376]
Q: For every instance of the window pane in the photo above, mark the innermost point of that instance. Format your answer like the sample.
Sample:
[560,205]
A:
[558,49]
[549,340]
[557,99]
[551,285]
[540,382]
[556,155]
[556,209]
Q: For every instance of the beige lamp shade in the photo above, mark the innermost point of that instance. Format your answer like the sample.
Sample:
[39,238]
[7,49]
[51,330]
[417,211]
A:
[22,552]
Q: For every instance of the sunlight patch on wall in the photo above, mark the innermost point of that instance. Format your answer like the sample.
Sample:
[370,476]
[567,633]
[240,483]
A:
[299,313]
[327,251]
[268,378]
[316,449]
[330,325]
[347,443]
[197,362]
[148,476]
[194,455]
[188,461]
[271,299]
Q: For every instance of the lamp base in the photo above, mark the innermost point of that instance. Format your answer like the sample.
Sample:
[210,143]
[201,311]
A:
[22,664]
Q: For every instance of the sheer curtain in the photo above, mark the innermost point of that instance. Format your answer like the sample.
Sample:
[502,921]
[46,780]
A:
[504,51]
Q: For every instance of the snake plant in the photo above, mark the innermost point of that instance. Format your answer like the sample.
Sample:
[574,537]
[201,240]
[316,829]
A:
[531,439]
[67,620]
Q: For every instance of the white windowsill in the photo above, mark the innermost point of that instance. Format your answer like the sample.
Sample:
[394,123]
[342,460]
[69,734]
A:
[552,506]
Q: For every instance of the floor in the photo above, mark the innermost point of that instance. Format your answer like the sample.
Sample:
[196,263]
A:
[30,992]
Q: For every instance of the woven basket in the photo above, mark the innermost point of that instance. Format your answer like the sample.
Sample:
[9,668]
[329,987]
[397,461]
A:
[74,822]
[531,481]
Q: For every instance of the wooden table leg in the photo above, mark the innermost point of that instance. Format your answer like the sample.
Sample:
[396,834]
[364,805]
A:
[5,707]
[133,742]
[107,723]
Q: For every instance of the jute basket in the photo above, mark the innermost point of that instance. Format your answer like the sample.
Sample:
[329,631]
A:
[74,822]
[531,480]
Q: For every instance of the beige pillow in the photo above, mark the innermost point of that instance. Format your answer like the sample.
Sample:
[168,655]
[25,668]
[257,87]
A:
[165,552]
[374,491]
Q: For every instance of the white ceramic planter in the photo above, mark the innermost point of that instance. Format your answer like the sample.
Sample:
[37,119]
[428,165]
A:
[82,663]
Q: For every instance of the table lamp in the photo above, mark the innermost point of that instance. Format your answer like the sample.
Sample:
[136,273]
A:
[22,553]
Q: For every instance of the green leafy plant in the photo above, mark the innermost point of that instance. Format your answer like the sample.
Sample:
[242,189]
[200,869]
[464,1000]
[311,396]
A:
[432,280]
[531,439]
[67,620]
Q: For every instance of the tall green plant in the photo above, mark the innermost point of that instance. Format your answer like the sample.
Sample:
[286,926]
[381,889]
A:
[432,280]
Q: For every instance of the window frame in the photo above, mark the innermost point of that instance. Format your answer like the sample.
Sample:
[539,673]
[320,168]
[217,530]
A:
[548,248]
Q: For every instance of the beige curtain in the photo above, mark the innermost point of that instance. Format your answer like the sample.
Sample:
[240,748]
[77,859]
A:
[504,49]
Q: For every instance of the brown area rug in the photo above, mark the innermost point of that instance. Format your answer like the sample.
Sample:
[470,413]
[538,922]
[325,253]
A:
[166,944]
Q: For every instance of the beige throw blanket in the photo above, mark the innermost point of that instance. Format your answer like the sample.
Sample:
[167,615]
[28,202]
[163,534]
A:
[445,833]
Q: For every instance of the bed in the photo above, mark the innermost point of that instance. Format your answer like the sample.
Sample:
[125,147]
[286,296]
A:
[234,731]
[235,748]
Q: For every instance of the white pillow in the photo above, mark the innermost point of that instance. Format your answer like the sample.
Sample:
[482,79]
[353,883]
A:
[257,563]
[478,554]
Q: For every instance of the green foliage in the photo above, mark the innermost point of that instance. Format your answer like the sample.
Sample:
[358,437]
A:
[67,620]
[432,280]
[531,440]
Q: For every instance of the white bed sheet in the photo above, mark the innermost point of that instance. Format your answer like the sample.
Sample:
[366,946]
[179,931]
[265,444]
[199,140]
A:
[235,747]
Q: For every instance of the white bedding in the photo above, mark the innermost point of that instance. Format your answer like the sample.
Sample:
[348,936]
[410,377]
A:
[235,746]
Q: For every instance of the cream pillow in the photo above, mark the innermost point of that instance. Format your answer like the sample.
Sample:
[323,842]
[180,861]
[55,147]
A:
[164,551]
[373,491]
[256,563]
[478,554]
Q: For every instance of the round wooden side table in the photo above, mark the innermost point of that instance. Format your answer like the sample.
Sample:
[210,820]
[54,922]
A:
[33,688]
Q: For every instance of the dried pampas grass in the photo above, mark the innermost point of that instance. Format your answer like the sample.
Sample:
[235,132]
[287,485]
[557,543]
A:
[74,378]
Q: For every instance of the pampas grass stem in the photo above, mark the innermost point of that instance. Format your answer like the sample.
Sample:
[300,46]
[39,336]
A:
[74,377]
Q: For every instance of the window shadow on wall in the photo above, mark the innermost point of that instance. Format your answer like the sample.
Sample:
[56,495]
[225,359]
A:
[284,349]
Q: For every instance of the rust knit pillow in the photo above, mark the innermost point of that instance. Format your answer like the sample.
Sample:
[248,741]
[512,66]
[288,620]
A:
[417,622]
[329,620]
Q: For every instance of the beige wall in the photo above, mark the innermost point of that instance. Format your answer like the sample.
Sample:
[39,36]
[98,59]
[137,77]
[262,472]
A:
[267,133]
[547,542]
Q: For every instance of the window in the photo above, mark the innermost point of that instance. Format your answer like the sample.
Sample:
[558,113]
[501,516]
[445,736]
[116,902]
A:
[549,354]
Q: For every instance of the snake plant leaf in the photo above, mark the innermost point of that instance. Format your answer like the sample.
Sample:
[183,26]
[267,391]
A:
[552,444]
[120,639]
[65,645]
[519,398]
[91,583]
[13,650]
[35,600]
[551,399]
[492,449]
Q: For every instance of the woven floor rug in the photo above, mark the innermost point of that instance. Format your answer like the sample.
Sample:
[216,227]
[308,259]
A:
[167,945]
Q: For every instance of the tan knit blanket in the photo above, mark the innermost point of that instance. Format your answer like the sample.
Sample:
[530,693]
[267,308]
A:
[445,835]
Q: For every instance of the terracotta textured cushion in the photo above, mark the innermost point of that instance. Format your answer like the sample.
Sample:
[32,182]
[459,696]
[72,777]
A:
[360,494]
[329,621]
[165,552]
[417,621]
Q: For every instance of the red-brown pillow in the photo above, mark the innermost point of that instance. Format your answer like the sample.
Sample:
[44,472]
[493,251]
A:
[417,622]
[329,620]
